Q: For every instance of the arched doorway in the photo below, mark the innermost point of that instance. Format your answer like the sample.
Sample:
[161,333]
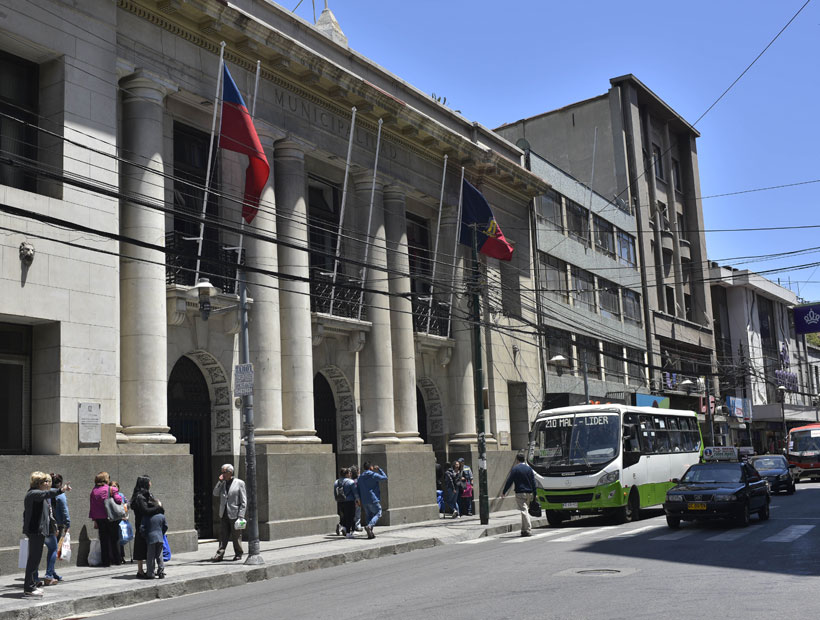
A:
[324,411]
[189,416]
[421,416]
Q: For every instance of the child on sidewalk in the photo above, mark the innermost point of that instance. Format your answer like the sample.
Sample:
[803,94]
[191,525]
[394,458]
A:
[153,529]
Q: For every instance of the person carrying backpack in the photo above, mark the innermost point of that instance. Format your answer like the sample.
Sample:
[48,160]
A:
[346,494]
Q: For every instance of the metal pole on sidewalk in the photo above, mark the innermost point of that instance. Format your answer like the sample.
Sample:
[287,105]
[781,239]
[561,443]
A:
[478,382]
[250,446]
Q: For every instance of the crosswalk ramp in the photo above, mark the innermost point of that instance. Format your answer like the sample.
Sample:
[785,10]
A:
[773,533]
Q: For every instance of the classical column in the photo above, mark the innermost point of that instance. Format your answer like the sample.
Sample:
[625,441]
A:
[265,349]
[294,295]
[376,358]
[143,327]
[401,317]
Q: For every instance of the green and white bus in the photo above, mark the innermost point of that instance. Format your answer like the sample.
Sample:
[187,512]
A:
[609,459]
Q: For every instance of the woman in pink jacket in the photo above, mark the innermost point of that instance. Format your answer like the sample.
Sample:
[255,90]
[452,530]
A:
[107,531]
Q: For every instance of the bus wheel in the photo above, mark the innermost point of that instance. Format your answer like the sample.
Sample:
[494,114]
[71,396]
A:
[673,522]
[554,518]
[630,511]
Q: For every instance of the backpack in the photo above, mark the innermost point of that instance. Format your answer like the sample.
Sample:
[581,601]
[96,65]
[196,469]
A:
[339,491]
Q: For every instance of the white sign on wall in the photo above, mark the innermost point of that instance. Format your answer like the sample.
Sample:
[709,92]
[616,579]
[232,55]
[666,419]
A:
[89,421]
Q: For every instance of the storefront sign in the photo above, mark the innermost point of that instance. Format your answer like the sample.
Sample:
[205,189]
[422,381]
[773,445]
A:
[740,408]
[807,319]
[650,400]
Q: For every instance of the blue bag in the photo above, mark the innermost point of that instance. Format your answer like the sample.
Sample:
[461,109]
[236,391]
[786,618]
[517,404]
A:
[166,549]
[126,532]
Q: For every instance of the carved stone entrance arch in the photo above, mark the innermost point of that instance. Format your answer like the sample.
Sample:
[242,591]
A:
[347,423]
[435,415]
[219,388]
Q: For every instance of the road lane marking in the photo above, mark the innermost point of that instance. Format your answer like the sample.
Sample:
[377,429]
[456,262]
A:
[475,541]
[521,539]
[674,535]
[572,537]
[730,535]
[790,534]
[636,531]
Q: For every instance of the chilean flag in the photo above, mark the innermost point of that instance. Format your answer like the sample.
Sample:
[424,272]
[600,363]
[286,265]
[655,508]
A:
[476,210]
[238,134]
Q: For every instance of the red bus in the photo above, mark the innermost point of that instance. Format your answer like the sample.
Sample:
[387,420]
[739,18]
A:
[803,450]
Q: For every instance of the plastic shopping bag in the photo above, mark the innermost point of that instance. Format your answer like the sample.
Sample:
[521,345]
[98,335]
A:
[64,548]
[126,532]
[23,557]
[166,549]
[95,554]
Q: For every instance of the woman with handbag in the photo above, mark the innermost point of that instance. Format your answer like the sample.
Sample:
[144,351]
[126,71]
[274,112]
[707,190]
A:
[59,513]
[144,505]
[106,521]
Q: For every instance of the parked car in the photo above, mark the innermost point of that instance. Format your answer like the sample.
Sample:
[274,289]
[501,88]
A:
[717,490]
[776,469]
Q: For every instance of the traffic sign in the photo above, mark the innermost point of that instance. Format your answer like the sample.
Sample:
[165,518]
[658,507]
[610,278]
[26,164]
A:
[243,380]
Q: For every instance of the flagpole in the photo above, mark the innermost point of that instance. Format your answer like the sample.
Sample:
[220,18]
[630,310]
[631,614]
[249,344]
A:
[242,219]
[435,245]
[342,212]
[370,217]
[455,251]
[210,160]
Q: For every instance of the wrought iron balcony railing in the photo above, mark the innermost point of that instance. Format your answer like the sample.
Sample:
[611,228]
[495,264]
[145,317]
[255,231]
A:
[346,296]
[218,265]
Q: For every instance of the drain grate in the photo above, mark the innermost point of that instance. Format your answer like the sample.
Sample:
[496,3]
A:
[599,571]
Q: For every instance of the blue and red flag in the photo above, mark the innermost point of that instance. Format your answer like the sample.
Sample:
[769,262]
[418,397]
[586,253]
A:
[476,210]
[238,134]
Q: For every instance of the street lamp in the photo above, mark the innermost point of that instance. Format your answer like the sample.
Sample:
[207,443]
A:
[559,360]
[204,290]
[781,389]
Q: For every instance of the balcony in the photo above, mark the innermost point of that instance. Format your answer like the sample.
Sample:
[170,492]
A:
[346,296]
[685,249]
[218,265]
[427,319]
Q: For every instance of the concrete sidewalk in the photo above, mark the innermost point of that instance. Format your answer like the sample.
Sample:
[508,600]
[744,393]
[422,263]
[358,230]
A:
[86,589]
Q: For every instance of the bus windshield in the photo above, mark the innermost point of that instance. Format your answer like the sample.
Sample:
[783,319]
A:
[575,443]
[805,441]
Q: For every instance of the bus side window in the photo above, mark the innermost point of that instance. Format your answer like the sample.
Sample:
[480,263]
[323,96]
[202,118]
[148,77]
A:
[647,435]
[631,442]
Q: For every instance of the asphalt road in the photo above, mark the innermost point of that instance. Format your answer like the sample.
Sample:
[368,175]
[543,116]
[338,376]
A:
[587,568]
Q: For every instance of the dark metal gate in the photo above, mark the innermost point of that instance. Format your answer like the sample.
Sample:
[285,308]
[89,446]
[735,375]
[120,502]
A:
[324,411]
[189,416]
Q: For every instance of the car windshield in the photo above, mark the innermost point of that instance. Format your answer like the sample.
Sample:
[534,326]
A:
[730,472]
[571,440]
[769,462]
[805,441]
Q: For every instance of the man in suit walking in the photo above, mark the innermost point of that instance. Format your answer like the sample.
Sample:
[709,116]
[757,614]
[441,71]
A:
[232,505]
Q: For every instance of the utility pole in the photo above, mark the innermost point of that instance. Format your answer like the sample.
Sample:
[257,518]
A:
[478,383]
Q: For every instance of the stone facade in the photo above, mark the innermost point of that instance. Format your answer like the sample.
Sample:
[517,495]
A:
[103,314]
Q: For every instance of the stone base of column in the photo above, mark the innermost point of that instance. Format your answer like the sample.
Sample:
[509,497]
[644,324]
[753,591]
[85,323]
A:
[460,440]
[302,435]
[265,436]
[377,438]
[294,489]
[409,495]
[409,438]
[145,434]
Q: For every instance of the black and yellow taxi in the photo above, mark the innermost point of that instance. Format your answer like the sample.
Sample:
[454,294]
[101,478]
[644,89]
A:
[718,490]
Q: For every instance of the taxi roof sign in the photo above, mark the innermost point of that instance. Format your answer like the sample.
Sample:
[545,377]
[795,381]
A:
[719,453]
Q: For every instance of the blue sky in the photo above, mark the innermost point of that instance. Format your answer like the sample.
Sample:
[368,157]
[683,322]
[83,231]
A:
[502,61]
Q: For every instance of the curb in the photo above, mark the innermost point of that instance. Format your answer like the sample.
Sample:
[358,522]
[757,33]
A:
[173,588]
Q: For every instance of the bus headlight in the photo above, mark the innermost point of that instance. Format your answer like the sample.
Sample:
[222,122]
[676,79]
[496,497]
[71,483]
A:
[609,478]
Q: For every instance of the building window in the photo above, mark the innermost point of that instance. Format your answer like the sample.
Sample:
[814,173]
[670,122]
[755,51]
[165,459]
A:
[418,248]
[559,342]
[15,381]
[604,236]
[632,306]
[548,209]
[635,363]
[511,286]
[588,352]
[676,175]
[609,295]
[578,222]
[626,250]
[657,161]
[190,167]
[670,301]
[19,102]
[583,286]
[682,232]
[614,362]
[553,278]
[687,302]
